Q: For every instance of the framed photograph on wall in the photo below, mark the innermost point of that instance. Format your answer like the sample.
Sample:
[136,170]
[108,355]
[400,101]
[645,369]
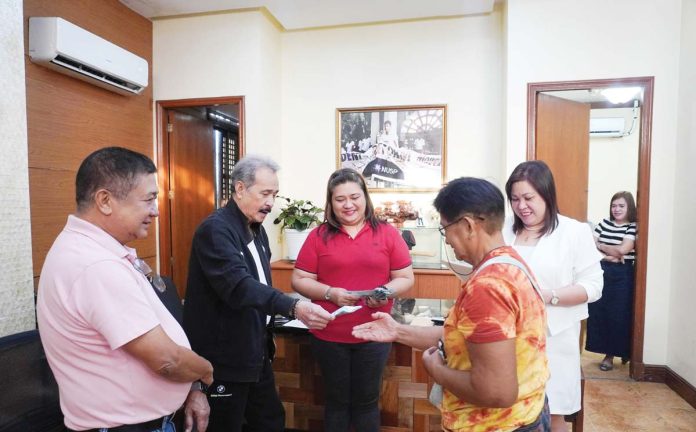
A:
[396,148]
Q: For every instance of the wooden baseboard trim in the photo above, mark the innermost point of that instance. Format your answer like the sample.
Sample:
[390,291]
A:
[663,374]
[681,386]
[653,373]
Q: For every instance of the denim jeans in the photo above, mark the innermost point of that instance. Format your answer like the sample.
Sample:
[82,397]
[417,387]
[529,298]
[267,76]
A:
[352,380]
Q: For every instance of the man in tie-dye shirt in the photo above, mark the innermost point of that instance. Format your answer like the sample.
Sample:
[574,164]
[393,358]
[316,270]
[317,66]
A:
[498,303]
[492,362]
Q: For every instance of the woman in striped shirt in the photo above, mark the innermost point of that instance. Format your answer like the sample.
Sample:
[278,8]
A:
[609,324]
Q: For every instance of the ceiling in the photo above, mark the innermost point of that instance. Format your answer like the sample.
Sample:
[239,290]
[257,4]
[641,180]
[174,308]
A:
[302,14]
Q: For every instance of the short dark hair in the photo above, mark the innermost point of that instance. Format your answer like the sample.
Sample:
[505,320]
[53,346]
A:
[113,168]
[539,176]
[631,212]
[475,196]
[339,177]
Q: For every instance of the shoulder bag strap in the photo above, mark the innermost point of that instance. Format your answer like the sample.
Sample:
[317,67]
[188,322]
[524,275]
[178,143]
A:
[512,261]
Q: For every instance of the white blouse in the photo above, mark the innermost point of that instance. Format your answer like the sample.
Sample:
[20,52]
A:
[566,256]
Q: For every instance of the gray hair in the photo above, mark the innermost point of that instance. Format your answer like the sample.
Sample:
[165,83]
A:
[245,169]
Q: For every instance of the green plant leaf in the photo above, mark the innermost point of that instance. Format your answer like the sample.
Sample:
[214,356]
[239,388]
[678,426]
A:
[298,214]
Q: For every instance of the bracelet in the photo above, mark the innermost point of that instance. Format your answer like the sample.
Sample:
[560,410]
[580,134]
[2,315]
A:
[327,294]
[291,313]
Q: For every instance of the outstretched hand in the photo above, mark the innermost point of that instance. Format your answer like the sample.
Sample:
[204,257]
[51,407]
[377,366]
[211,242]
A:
[382,329]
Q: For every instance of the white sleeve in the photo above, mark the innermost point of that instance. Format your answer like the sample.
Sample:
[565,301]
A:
[587,270]
[592,280]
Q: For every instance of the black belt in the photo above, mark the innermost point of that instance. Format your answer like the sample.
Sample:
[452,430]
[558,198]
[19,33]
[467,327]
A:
[147,426]
[627,261]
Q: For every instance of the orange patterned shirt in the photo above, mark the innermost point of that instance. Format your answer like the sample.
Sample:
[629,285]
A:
[498,303]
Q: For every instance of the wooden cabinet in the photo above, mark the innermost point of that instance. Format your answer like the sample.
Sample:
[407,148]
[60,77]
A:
[280,273]
[430,284]
[404,404]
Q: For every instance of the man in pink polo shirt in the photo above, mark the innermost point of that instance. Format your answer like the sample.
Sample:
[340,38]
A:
[122,362]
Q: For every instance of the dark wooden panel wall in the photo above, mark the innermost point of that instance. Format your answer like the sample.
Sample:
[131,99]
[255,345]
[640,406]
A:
[68,119]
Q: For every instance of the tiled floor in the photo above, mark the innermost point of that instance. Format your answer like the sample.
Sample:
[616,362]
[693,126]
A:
[614,402]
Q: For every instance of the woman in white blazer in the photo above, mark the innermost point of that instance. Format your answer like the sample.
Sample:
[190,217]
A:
[562,254]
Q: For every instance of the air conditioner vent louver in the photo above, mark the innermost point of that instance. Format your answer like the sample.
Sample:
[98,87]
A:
[94,73]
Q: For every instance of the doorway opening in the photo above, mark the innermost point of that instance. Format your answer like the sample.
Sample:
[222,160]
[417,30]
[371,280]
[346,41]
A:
[571,166]
[198,143]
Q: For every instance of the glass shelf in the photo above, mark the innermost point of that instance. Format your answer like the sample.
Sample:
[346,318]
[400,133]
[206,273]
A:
[425,246]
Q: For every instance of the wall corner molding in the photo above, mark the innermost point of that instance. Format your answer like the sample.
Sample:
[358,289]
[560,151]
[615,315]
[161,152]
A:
[664,374]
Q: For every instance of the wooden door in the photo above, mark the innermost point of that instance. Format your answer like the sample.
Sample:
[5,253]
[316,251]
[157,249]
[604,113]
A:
[563,142]
[192,186]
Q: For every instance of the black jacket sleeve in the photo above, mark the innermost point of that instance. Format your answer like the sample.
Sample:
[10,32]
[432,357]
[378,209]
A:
[227,266]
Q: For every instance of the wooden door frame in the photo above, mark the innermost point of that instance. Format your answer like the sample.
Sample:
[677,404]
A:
[161,107]
[637,366]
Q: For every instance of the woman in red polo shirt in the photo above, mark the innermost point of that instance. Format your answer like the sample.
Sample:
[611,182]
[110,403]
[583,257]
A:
[351,251]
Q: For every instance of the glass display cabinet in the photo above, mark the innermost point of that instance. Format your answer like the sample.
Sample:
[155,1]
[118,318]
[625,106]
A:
[425,246]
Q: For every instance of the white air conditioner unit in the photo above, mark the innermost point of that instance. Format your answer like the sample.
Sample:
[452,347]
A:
[607,126]
[60,45]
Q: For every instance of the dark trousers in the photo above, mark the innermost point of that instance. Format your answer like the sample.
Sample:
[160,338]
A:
[611,317]
[352,380]
[248,407]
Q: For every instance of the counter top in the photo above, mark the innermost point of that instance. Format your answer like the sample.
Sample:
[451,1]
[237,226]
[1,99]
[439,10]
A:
[280,321]
[429,283]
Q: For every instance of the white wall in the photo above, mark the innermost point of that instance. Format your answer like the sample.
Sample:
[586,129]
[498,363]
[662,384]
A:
[559,40]
[613,164]
[16,286]
[681,340]
[236,54]
[457,62]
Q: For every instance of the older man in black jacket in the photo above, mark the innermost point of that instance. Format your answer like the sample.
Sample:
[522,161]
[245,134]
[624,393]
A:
[229,298]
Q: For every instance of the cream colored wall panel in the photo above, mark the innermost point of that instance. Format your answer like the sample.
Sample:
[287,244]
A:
[16,285]
[682,320]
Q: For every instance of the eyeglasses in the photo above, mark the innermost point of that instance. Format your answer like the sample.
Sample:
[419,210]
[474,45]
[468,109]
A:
[442,229]
[155,279]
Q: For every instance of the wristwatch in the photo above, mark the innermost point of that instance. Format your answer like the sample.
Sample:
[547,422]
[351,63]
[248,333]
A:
[554,298]
[200,386]
[327,294]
